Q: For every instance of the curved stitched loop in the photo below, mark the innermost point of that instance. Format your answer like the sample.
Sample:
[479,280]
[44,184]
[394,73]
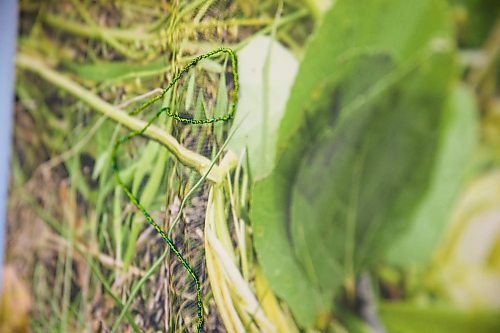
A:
[234,94]
[167,110]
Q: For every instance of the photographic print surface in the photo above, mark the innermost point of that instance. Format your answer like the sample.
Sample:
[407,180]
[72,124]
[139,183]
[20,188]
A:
[250,166]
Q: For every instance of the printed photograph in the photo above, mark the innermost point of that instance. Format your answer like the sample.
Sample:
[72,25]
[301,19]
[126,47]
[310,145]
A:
[260,166]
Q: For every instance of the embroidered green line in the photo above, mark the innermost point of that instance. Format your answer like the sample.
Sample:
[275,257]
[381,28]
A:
[234,95]
[170,113]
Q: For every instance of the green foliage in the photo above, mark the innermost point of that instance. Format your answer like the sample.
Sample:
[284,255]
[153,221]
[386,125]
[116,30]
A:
[458,139]
[364,161]
[266,71]
[114,70]
[408,318]
[474,20]
[364,116]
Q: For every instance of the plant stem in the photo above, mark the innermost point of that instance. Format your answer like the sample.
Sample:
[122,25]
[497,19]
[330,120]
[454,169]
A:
[283,21]
[185,156]
[84,30]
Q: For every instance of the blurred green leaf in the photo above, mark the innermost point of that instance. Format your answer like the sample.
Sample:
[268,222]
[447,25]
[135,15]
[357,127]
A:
[112,70]
[457,142]
[357,185]
[363,118]
[355,28]
[190,90]
[474,20]
[221,105]
[252,134]
[408,318]
[145,164]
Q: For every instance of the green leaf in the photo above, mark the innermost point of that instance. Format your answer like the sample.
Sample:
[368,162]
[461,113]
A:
[221,102]
[475,20]
[259,110]
[201,110]
[408,318]
[113,70]
[358,184]
[363,118]
[190,90]
[401,29]
[458,139]
[145,164]
[221,105]
[274,250]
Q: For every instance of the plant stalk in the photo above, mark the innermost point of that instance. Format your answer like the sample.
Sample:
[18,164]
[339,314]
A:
[185,156]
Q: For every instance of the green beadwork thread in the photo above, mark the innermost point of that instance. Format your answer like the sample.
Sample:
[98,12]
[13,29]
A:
[130,136]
